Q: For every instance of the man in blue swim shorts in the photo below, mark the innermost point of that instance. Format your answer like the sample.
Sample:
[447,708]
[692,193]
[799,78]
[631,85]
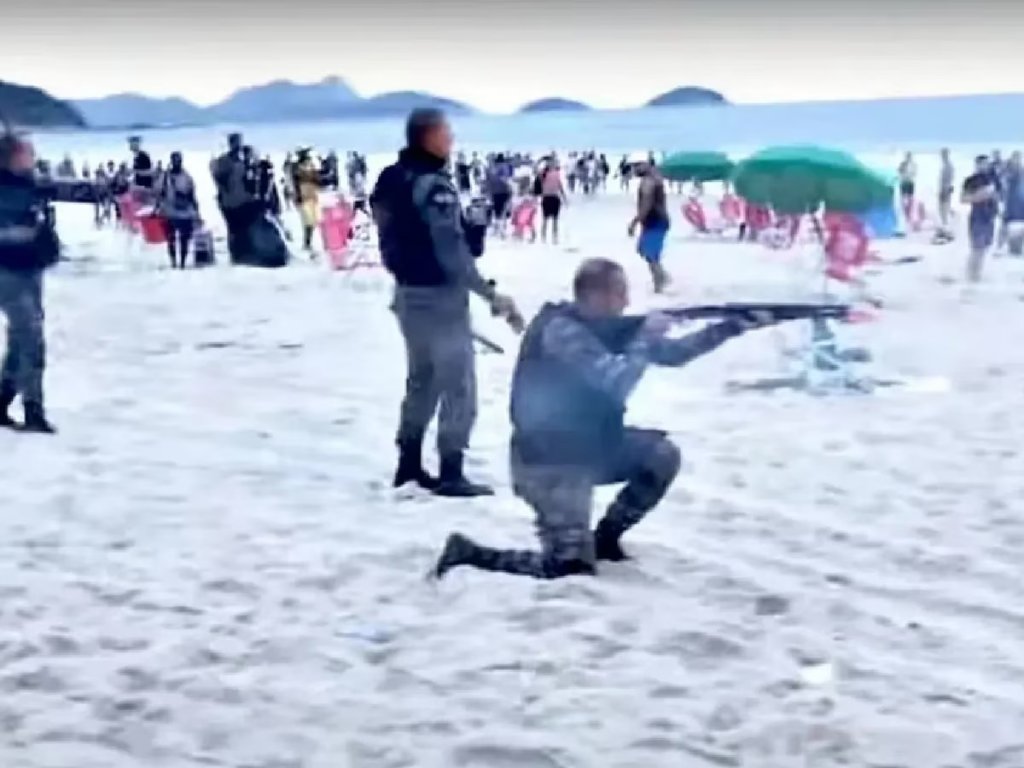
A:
[652,218]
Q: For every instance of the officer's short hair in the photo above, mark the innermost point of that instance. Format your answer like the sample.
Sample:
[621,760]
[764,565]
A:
[420,122]
[10,145]
[594,276]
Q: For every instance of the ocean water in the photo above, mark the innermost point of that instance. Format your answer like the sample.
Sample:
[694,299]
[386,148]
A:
[877,126]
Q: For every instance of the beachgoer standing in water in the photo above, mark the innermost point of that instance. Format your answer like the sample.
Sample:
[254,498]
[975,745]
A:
[981,192]
[652,218]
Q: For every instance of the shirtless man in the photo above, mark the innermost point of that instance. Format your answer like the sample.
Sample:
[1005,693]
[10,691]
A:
[652,218]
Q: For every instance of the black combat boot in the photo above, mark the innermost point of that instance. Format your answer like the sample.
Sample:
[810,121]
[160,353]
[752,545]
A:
[452,483]
[458,550]
[410,466]
[35,420]
[7,395]
[607,538]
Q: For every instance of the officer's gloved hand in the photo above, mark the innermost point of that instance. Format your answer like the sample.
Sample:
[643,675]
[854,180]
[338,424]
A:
[504,306]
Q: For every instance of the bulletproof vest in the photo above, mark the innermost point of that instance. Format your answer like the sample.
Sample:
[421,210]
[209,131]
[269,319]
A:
[28,238]
[557,415]
[406,245]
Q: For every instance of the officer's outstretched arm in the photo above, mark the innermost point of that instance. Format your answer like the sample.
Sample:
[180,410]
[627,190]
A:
[677,352]
[440,209]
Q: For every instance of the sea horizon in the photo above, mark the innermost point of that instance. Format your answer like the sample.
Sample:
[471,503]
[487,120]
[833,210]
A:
[882,124]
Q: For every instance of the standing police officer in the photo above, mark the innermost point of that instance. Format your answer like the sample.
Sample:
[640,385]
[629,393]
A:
[424,245]
[28,245]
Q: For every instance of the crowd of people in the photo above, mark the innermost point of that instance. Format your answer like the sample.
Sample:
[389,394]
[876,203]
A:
[575,369]
[994,194]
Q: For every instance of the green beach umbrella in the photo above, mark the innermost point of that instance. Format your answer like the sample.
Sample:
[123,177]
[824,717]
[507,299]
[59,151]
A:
[697,166]
[799,179]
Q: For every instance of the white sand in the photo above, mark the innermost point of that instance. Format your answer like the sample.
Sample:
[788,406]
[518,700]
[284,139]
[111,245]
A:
[208,568]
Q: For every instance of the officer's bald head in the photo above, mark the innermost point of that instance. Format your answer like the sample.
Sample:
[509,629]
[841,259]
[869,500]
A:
[600,287]
[427,129]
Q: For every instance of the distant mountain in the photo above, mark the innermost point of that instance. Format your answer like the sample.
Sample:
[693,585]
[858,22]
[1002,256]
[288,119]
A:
[34,108]
[278,100]
[285,100]
[401,102]
[130,109]
[687,96]
[554,104]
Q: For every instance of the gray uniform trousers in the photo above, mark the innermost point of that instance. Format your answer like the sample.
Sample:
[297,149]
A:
[561,496]
[441,366]
[21,300]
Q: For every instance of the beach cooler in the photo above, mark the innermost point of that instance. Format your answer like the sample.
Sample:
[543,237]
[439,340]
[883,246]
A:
[335,228]
[153,228]
[202,248]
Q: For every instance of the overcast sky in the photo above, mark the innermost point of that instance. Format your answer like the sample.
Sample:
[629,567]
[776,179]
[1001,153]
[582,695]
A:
[498,55]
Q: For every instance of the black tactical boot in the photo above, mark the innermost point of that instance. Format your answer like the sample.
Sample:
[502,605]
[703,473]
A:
[453,483]
[458,550]
[410,466]
[35,420]
[607,546]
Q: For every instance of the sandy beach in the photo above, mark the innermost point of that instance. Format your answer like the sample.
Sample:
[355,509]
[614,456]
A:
[209,568]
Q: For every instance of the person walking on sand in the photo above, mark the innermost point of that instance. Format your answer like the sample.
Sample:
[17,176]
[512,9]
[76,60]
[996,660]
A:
[423,244]
[178,205]
[947,177]
[981,192]
[578,364]
[652,219]
[553,197]
[908,183]
[143,173]
[1013,205]
[307,194]
[236,197]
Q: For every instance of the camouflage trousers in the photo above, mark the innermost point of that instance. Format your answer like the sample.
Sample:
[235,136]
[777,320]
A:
[21,301]
[561,497]
[441,376]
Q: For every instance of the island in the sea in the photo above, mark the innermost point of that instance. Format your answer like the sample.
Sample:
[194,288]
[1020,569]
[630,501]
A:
[554,104]
[688,96]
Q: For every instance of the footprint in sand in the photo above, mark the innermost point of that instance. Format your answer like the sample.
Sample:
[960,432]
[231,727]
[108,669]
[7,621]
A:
[498,756]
